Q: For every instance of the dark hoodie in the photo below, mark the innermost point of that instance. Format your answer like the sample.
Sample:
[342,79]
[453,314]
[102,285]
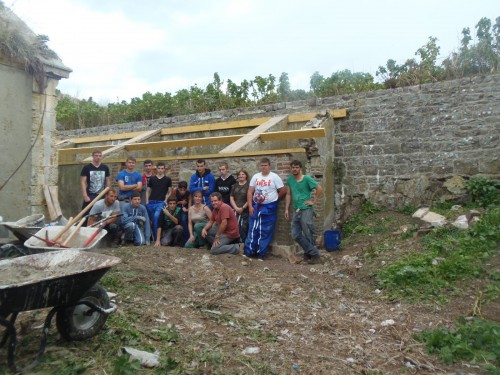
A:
[197,182]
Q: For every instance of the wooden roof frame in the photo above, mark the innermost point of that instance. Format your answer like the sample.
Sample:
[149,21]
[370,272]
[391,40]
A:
[259,131]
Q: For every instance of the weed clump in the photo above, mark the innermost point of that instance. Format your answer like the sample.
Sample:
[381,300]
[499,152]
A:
[477,341]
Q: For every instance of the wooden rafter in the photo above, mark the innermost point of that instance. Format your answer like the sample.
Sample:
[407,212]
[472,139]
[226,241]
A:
[201,156]
[138,138]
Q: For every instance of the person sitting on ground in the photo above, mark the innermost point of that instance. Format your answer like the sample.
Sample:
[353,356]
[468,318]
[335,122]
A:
[198,216]
[183,197]
[222,230]
[135,221]
[239,203]
[108,207]
[169,229]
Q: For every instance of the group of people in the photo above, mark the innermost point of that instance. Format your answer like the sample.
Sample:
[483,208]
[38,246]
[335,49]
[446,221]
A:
[227,214]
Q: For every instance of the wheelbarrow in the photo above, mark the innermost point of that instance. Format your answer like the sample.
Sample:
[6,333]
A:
[64,280]
[42,243]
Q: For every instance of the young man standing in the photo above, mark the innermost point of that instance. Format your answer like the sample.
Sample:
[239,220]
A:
[135,221]
[202,180]
[103,209]
[94,178]
[158,190]
[146,177]
[265,189]
[224,183]
[222,230]
[298,191]
[129,181]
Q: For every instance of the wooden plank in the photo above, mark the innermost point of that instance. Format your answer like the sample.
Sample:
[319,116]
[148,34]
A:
[190,142]
[106,137]
[301,117]
[338,113]
[54,193]
[52,200]
[82,150]
[121,146]
[252,135]
[254,122]
[204,156]
[293,134]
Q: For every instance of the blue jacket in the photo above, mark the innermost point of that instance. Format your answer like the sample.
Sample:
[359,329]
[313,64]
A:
[197,182]
[130,215]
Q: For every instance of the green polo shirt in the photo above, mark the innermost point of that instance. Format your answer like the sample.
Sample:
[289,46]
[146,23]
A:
[301,191]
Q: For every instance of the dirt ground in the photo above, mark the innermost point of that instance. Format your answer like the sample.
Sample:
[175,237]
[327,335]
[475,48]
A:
[241,316]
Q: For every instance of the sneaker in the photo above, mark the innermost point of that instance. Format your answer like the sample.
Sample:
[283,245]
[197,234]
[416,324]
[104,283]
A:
[315,259]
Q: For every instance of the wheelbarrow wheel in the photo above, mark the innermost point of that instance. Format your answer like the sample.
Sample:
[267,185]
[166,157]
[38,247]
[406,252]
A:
[76,323]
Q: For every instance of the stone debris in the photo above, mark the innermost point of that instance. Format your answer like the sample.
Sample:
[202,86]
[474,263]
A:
[388,322]
[251,350]
[146,359]
[424,214]
[461,222]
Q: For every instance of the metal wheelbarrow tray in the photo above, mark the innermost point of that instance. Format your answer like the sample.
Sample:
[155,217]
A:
[25,227]
[61,279]
[76,243]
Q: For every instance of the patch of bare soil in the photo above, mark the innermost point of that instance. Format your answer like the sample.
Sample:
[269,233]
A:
[241,316]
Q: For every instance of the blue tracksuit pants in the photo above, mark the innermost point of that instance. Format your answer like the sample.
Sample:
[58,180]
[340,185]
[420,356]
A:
[261,229]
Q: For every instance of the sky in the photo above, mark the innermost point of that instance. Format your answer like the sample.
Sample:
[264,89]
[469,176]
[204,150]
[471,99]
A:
[120,49]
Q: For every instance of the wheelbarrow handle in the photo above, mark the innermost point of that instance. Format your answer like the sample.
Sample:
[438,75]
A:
[99,229]
[104,219]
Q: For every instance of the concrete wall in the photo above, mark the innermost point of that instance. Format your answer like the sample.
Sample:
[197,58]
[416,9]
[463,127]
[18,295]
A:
[15,140]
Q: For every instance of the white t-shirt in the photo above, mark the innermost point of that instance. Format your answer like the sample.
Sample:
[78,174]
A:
[266,187]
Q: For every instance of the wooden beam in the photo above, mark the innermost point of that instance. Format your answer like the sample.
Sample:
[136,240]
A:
[296,150]
[121,146]
[252,135]
[301,117]
[207,141]
[293,134]
[338,113]
[190,142]
[254,122]
[106,137]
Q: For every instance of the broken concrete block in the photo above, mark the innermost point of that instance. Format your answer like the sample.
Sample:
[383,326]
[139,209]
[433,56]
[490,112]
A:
[421,212]
[145,358]
[434,219]
[461,222]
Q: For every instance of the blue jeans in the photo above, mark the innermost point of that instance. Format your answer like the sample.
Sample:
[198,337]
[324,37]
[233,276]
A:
[154,211]
[303,231]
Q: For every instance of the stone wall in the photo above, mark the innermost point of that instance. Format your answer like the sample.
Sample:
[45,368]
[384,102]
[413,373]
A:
[402,146]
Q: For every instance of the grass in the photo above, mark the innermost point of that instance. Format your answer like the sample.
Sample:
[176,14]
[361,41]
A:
[477,342]
[449,255]
[358,222]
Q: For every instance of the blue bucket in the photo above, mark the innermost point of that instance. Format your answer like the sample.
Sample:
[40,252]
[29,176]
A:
[331,239]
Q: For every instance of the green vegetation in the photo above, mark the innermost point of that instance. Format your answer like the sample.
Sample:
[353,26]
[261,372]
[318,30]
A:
[479,58]
[483,191]
[477,341]
[19,45]
[449,255]
[357,223]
